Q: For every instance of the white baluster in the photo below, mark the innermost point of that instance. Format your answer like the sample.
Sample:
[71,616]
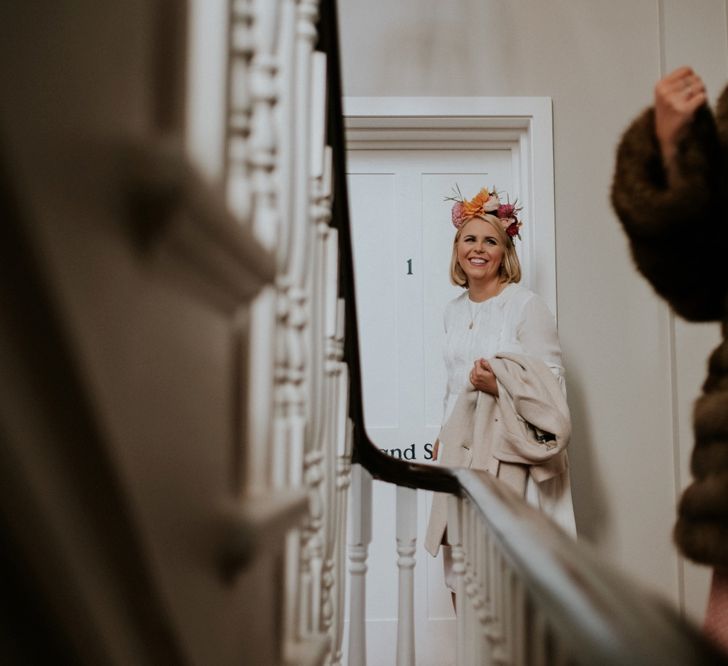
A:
[319,470]
[334,315]
[318,115]
[498,633]
[343,483]
[454,538]
[332,395]
[343,480]
[298,238]
[470,586]
[481,605]
[314,543]
[328,577]
[296,283]
[406,543]
[492,575]
[239,111]
[259,403]
[334,366]
[320,282]
[292,597]
[280,470]
[359,540]
[291,469]
[285,114]
[263,146]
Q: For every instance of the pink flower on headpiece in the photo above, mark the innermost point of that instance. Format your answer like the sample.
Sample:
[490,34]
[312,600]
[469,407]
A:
[513,229]
[458,214]
[485,202]
[506,210]
[492,205]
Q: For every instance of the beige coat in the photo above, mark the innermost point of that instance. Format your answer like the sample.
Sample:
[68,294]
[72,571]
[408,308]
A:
[504,435]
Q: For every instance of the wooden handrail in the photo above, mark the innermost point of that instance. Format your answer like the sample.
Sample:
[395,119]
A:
[604,617]
[379,465]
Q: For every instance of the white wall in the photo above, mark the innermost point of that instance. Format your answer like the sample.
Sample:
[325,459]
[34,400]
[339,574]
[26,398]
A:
[632,370]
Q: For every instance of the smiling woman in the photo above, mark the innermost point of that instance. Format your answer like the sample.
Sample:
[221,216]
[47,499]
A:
[482,246]
[502,355]
[479,255]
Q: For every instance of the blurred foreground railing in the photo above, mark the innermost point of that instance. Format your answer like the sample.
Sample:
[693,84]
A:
[527,593]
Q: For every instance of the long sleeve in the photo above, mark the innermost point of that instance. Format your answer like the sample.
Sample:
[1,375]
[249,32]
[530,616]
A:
[538,336]
[677,231]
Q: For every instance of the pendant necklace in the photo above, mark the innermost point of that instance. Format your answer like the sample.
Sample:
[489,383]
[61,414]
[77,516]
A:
[475,309]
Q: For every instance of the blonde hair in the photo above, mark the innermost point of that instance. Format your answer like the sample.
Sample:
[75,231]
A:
[510,268]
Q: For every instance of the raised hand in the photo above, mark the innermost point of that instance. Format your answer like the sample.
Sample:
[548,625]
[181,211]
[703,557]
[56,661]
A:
[677,96]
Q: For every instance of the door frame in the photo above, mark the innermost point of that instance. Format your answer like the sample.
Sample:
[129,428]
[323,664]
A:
[523,125]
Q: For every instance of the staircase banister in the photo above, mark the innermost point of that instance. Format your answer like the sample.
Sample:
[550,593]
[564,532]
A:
[365,452]
[603,616]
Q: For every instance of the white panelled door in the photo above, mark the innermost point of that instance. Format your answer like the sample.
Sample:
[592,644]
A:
[402,237]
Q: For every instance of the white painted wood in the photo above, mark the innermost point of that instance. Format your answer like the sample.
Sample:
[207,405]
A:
[334,444]
[278,179]
[344,435]
[286,123]
[306,15]
[208,54]
[471,622]
[299,315]
[263,145]
[360,536]
[526,128]
[343,483]
[241,49]
[318,113]
[455,539]
[196,393]
[406,542]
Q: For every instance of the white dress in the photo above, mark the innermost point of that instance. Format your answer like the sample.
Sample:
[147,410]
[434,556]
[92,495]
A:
[518,321]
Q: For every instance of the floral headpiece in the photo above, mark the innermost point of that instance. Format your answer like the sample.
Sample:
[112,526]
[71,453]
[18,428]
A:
[486,202]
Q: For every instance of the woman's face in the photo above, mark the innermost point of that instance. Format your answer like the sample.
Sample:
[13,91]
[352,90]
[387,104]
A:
[479,251]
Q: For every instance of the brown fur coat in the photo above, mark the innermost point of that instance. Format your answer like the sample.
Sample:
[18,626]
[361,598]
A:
[679,239]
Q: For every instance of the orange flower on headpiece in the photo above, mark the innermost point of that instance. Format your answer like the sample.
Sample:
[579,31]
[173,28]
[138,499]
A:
[482,202]
[485,202]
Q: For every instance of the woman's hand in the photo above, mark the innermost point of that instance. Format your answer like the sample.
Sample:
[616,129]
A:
[677,96]
[482,377]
